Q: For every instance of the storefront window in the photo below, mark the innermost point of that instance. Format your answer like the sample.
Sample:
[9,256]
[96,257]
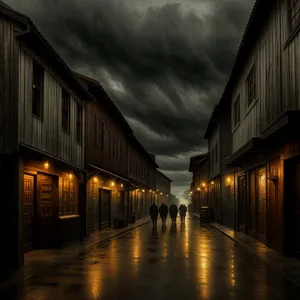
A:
[67,203]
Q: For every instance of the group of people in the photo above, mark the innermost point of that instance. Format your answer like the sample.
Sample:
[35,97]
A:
[163,212]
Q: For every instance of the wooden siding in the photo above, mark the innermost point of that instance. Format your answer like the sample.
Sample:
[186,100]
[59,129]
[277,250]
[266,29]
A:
[46,134]
[277,58]
[162,183]
[110,160]
[215,166]
[8,79]
[136,159]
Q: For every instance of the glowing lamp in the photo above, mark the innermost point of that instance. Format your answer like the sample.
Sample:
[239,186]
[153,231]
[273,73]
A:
[46,165]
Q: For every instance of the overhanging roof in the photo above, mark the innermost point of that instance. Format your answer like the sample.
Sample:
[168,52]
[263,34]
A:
[164,175]
[253,146]
[197,159]
[108,173]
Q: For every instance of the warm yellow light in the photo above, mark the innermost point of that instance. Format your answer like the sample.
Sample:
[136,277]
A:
[203,184]
[121,185]
[95,179]
[228,179]
[212,182]
[262,177]
[70,176]
[112,183]
[198,189]
[46,165]
[143,191]
[150,191]
[161,193]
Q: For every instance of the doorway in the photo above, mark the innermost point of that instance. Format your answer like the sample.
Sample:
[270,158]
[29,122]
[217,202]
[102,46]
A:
[47,210]
[104,208]
[242,203]
[292,206]
[29,210]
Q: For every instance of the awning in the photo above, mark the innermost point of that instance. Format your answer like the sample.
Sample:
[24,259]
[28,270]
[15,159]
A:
[134,185]
[253,146]
[285,121]
[109,173]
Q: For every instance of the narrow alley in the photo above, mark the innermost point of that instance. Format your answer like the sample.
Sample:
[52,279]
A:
[186,261]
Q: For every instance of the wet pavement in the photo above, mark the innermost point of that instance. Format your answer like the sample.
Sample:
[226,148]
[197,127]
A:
[185,261]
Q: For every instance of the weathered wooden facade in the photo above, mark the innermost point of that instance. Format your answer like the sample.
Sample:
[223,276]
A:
[141,173]
[41,141]
[199,166]
[107,183]
[262,93]
[163,188]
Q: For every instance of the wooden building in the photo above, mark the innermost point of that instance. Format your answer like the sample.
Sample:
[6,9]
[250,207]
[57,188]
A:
[163,188]
[262,94]
[199,166]
[107,183]
[41,142]
[141,173]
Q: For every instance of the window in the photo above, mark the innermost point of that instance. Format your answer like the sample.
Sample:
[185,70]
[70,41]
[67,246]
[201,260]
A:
[294,13]
[37,91]
[99,132]
[250,86]
[236,111]
[68,204]
[106,139]
[78,123]
[65,116]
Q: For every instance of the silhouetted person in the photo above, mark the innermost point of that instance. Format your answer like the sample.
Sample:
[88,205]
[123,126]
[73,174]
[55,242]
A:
[153,211]
[182,212]
[163,211]
[173,212]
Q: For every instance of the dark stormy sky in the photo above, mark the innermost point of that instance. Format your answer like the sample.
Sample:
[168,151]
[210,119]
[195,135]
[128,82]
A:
[164,63]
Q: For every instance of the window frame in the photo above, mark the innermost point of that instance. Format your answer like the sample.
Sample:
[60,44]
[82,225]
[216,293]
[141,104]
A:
[37,90]
[236,108]
[99,132]
[251,87]
[65,110]
[293,14]
[79,123]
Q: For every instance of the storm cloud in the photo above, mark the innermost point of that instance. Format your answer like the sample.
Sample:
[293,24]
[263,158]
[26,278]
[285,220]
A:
[164,63]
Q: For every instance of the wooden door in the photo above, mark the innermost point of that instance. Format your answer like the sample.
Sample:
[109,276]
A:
[28,212]
[242,203]
[292,206]
[105,208]
[47,211]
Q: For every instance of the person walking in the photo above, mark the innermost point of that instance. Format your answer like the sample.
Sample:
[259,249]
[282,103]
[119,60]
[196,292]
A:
[173,212]
[153,212]
[163,211]
[182,212]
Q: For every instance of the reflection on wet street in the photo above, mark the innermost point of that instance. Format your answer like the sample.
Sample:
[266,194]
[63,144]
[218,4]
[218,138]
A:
[184,261]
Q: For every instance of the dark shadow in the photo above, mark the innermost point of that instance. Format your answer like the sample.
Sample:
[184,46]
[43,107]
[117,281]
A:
[154,231]
[163,229]
[173,228]
[182,227]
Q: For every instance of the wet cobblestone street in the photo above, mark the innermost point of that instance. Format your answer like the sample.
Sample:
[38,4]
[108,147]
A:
[185,261]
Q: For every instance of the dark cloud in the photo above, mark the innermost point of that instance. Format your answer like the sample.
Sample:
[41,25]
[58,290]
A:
[165,66]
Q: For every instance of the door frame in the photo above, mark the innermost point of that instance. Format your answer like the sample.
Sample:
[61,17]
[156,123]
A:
[100,208]
[34,217]
[55,204]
